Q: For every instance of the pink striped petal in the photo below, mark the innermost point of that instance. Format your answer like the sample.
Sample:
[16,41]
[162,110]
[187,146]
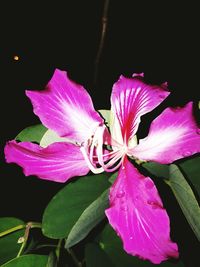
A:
[57,162]
[173,135]
[132,98]
[66,108]
[136,213]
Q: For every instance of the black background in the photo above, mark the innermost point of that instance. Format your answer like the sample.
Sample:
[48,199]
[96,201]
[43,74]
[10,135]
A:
[154,37]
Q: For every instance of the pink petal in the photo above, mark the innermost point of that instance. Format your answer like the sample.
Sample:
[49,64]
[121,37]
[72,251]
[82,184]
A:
[136,213]
[173,135]
[66,108]
[132,98]
[57,162]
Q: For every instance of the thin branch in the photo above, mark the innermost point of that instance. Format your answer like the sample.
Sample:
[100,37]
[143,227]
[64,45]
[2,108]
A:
[102,40]
[24,239]
[71,252]
[58,248]
[21,226]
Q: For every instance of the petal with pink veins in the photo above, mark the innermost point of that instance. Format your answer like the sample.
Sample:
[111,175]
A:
[66,108]
[173,135]
[131,98]
[136,213]
[57,162]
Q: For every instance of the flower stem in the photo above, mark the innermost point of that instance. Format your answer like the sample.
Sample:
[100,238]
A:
[101,44]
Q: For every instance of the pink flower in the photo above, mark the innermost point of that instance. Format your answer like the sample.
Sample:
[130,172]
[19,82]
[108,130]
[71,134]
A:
[84,143]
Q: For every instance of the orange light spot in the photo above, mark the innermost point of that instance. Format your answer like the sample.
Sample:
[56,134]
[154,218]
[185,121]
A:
[16,58]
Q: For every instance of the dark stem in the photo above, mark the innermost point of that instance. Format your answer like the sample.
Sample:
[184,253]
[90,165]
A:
[72,254]
[58,248]
[104,21]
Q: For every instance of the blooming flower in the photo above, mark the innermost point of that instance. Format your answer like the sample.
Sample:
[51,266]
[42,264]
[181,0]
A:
[84,143]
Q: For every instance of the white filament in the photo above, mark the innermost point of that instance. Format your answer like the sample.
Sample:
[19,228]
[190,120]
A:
[93,153]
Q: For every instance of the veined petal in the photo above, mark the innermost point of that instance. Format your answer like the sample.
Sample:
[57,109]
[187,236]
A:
[131,98]
[57,162]
[136,213]
[173,135]
[66,108]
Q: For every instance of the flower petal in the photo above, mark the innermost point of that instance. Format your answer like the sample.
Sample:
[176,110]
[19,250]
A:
[57,162]
[136,213]
[66,108]
[173,135]
[132,98]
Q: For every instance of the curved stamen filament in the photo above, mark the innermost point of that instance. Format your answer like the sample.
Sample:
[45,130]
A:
[114,168]
[112,161]
[101,157]
[90,165]
[110,153]
[93,153]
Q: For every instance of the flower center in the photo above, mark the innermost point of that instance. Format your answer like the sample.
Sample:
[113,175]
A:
[98,154]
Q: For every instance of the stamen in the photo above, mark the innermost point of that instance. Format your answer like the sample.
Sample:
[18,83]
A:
[96,145]
[116,154]
[90,165]
[114,159]
[114,168]
[112,162]
[92,151]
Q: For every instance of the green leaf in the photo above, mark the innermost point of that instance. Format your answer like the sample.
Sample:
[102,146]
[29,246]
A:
[185,198]
[28,261]
[191,168]
[67,205]
[32,133]
[91,216]
[96,257]
[113,177]
[112,246]
[106,114]
[8,243]
[159,170]
[51,137]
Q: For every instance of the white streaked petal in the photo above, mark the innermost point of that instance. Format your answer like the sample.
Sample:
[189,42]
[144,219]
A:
[173,135]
